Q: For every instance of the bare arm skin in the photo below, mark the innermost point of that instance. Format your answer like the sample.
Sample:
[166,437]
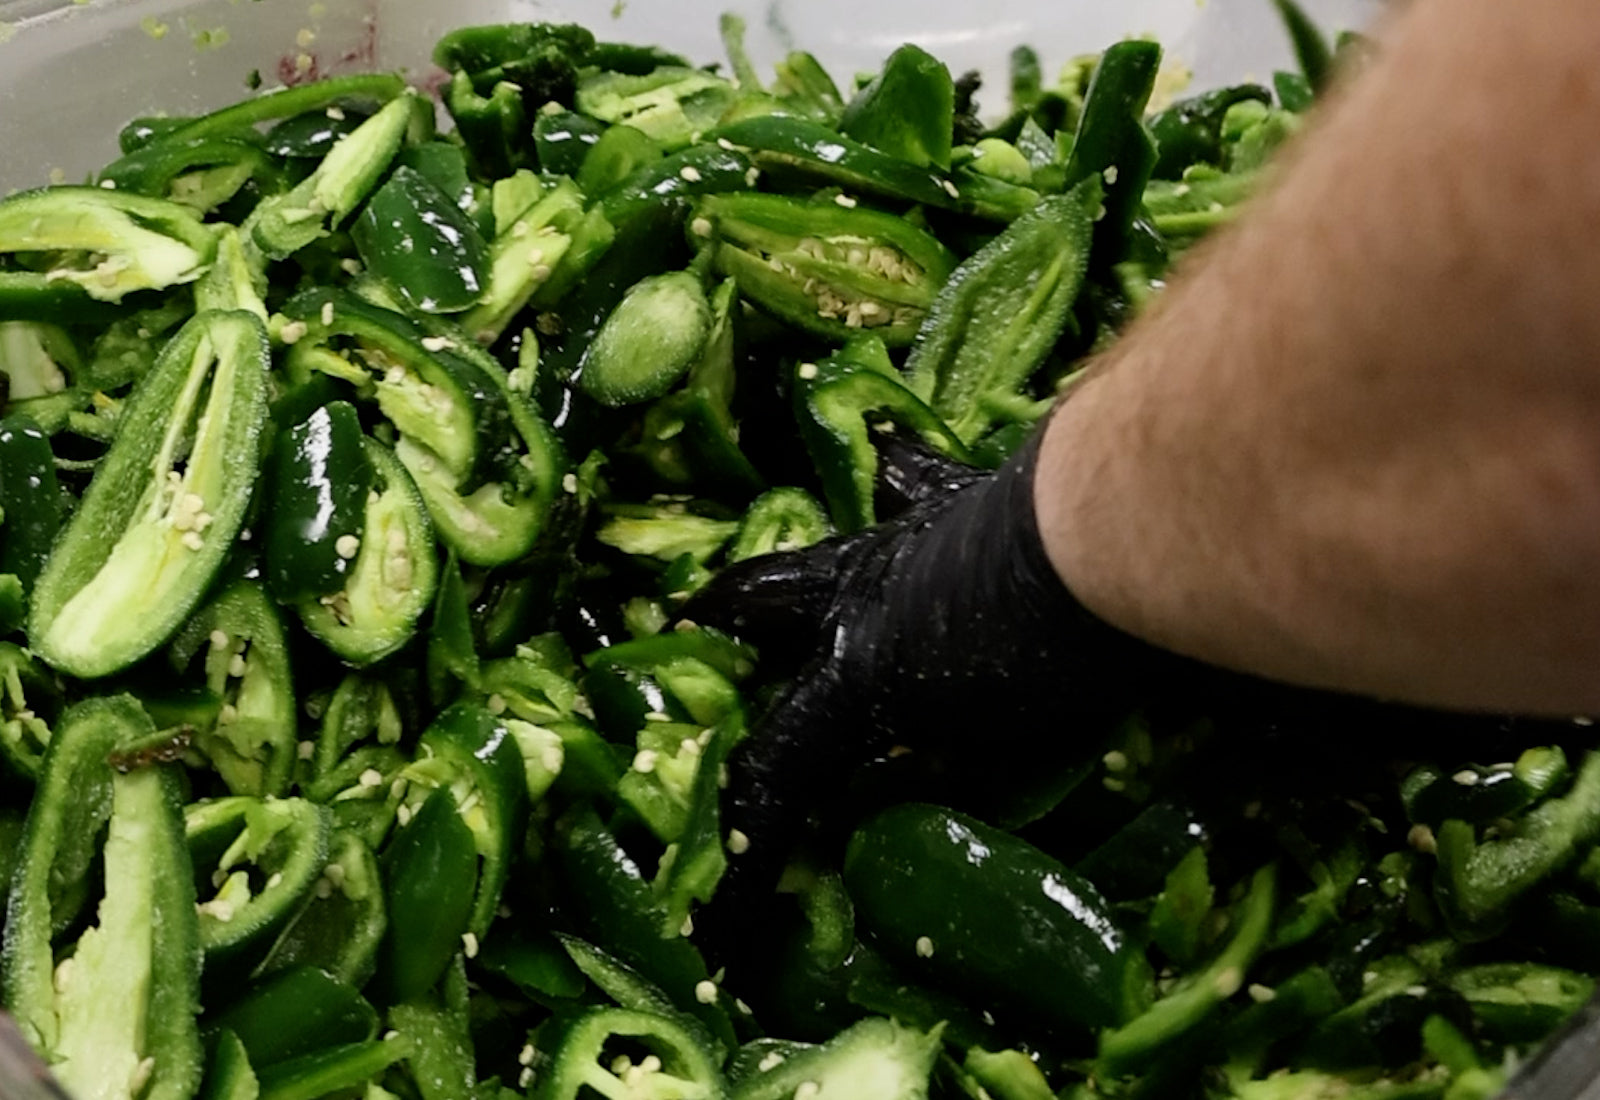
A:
[1357,444]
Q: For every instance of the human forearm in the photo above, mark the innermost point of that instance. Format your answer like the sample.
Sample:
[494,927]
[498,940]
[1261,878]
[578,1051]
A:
[1356,446]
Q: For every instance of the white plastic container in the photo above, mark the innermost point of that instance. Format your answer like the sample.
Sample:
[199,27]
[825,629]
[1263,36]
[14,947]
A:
[72,73]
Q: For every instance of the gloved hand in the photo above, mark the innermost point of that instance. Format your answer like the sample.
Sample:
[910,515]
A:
[942,638]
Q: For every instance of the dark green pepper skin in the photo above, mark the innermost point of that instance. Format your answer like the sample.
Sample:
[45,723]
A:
[151,169]
[834,408]
[1190,131]
[617,911]
[467,741]
[698,170]
[908,111]
[320,480]
[296,1013]
[783,144]
[1112,141]
[563,139]
[983,912]
[430,873]
[338,934]
[369,90]
[1310,48]
[1481,795]
[492,126]
[31,296]
[418,240]
[311,136]
[30,499]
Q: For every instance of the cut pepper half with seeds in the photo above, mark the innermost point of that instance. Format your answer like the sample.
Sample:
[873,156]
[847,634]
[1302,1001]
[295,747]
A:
[116,1016]
[394,574]
[164,506]
[251,744]
[106,243]
[831,269]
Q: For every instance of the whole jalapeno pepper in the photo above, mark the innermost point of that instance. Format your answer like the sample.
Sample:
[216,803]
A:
[945,895]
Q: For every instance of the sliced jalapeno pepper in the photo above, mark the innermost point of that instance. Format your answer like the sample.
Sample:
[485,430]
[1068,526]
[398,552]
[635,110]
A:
[500,521]
[780,519]
[320,478]
[1521,1002]
[363,707]
[832,270]
[283,224]
[690,436]
[201,173]
[578,1062]
[30,499]
[1198,993]
[650,340]
[37,359]
[784,144]
[1112,142]
[563,140]
[30,702]
[1476,881]
[334,1070]
[671,104]
[699,170]
[430,876]
[493,124]
[1190,131]
[537,253]
[426,388]
[392,580]
[897,1059]
[149,535]
[411,234]
[502,75]
[620,151]
[837,404]
[908,111]
[262,857]
[363,790]
[364,90]
[338,928]
[252,742]
[236,280]
[1480,795]
[614,902]
[474,755]
[296,1013]
[112,243]
[122,1008]
[1001,312]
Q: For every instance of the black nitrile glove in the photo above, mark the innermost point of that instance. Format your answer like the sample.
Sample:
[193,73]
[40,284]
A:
[942,639]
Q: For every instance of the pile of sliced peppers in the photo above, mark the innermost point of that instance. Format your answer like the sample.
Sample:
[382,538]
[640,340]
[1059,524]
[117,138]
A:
[351,473]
